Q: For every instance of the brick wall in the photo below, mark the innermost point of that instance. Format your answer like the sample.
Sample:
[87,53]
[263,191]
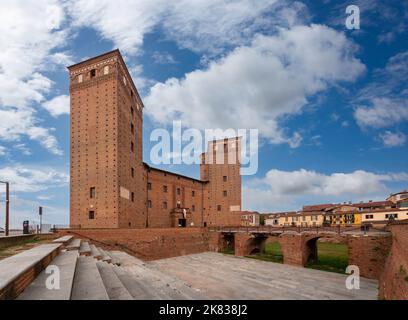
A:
[150,243]
[369,253]
[394,279]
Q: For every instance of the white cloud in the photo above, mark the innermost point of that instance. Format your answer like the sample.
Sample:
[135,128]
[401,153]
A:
[23,148]
[46,139]
[391,139]
[3,151]
[382,112]
[58,105]
[29,32]
[23,179]
[257,86]
[384,102]
[163,58]
[200,25]
[282,189]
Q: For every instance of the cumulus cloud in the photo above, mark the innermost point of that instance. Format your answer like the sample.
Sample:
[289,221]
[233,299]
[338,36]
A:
[200,25]
[258,85]
[23,179]
[391,139]
[29,32]
[384,101]
[58,105]
[278,189]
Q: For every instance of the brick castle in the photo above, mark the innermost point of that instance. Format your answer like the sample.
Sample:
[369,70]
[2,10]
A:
[111,186]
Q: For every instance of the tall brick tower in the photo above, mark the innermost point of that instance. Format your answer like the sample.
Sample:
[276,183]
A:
[107,173]
[220,166]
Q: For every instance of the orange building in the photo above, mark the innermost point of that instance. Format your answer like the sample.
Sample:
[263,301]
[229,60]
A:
[111,186]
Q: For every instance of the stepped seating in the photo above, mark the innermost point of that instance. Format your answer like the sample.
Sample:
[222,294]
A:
[17,272]
[86,272]
[75,244]
[64,240]
[85,249]
[95,252]
[37,290]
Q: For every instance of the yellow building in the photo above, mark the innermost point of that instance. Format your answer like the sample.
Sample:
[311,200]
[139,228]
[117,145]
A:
[384,216]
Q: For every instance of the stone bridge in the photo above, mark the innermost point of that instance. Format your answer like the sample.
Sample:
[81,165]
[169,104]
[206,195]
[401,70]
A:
[366,249]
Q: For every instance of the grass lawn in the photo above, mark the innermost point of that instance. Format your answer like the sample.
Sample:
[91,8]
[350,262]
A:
[332,257]
[273,253]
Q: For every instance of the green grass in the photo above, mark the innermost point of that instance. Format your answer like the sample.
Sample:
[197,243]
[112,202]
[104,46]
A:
[273,253]
[331,257]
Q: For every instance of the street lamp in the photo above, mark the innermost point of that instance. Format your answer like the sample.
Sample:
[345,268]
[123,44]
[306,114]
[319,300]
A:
[7,206]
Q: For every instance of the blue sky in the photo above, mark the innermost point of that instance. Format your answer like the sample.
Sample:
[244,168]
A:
[330,103]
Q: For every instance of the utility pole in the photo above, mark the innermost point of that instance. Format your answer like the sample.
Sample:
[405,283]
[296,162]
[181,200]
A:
[40,212]
[7,207]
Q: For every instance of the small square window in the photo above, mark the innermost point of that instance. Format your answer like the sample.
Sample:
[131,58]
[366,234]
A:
[164,205]
[164,188]
[149,186]
[91,215]
[133,172]
[218,207]
[93,73]
[225,193]
[193,193]
[92,192]
[225,178]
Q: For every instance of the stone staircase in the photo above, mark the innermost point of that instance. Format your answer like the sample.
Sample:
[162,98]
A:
[86,272]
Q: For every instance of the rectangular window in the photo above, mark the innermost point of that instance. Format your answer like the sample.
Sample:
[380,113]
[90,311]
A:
[133,197]
[149,186]
[92,192]
[225,193]
[225,178]
[149,203]
[132,111]
[93,73]
[164,205]
[164,188]
[132,128]
[193,193]
[178,205]
[193,207]
[218,207]
[133,172]
[178,191]
[91,215]
[132,146]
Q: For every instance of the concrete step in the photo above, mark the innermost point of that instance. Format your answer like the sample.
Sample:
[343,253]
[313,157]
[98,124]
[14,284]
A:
[17,272]
[37,290]
[105,256]
[138,290]
[88,284]
[164,285]
[64,240]
[85,249]
[75,244]
[114,287]
[95,252]
[115,260]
